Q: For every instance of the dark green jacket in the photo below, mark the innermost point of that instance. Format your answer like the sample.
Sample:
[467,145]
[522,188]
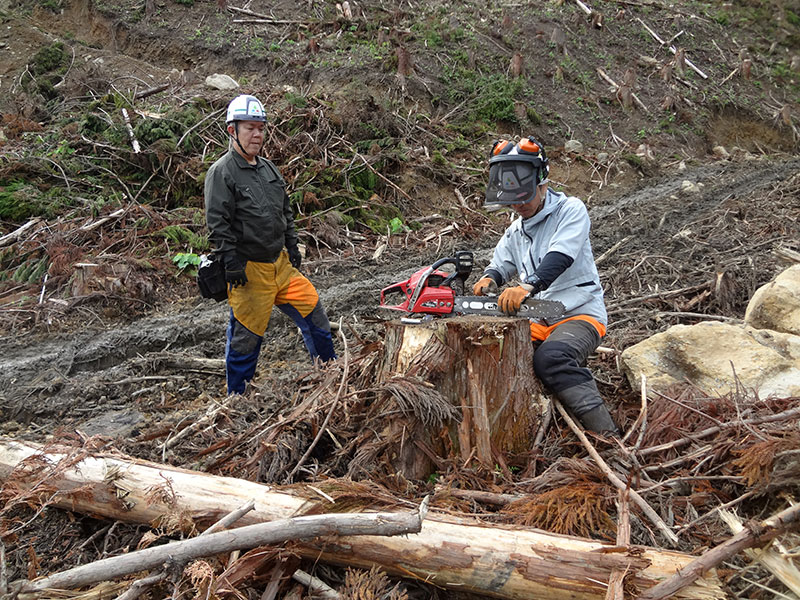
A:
[247,208]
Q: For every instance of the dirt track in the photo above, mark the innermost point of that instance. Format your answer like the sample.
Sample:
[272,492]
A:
[72,379]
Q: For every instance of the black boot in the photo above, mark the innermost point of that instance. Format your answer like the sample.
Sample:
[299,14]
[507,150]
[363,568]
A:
[599,420]
[585,402]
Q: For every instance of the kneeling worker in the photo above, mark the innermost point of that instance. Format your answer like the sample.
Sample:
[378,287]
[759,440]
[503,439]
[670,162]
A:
[548,248]
[251,225]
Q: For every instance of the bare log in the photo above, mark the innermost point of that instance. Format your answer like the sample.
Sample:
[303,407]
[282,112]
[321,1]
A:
[134,142]
[615,583]
[504,561]
[150,91]
[12,237]
[775,556]
[671,48]
[316,586]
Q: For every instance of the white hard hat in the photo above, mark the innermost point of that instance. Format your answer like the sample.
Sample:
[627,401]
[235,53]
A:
[245,108]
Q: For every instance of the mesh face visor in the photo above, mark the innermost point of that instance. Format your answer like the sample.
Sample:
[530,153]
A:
[511,182]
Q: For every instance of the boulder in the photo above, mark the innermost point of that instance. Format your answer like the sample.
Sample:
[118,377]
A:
[776,305]
[220,81]
[712,356]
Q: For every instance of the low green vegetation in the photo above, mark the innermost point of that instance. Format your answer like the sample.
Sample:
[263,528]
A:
[187,263]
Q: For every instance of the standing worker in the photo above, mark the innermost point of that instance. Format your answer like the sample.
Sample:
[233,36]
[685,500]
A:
[251,225]
[548,248]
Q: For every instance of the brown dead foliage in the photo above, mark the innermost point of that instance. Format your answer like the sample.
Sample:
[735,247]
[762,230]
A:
[15,125]
[578,509]
[370,585]
[758,462]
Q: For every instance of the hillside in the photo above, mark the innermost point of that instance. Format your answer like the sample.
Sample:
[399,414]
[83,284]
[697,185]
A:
[380,119]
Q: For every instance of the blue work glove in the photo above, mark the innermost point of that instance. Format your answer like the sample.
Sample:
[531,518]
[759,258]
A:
[294,255]
[234,270]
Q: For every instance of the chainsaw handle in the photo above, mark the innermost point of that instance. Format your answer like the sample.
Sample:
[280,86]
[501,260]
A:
[462,261]
[449,260]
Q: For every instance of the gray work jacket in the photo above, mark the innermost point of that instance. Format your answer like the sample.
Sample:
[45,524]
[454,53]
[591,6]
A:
[562,225]
[247,208]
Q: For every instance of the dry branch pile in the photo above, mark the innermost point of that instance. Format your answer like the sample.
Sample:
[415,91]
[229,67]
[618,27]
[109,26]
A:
[690,455]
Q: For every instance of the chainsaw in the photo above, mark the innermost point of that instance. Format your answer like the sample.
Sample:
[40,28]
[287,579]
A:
[431,292]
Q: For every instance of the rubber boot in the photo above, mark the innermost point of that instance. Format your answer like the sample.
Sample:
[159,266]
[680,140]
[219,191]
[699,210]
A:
[599,420]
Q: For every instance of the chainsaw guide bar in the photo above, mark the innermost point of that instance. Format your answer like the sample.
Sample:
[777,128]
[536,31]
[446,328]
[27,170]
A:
[546,310]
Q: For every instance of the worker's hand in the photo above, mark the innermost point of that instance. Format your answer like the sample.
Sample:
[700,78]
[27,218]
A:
[484,286]
[294,255]
[511,299]
[234,270]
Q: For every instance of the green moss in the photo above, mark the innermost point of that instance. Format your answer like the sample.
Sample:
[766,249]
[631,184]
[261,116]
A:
[533,116]
[48,59]
[53,5]
[634,160]
[383,218]
[364,182]
[180,236]
[168,131]
[19,201]
[438,158]
[491,97]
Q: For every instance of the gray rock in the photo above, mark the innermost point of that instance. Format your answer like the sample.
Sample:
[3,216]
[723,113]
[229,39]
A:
[218,81]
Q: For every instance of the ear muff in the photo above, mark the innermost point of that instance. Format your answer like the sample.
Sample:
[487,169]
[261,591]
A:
[529,146]
[501,147]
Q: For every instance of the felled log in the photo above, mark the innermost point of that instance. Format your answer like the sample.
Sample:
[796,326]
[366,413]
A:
[466,555]
[482,367]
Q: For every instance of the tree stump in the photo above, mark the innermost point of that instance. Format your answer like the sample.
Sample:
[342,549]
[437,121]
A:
[483,368]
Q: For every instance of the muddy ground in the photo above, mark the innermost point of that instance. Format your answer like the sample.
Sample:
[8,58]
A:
[133,383]
[729,227]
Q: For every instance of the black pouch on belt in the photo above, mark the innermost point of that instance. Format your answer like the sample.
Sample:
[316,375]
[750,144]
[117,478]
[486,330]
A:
[211,278]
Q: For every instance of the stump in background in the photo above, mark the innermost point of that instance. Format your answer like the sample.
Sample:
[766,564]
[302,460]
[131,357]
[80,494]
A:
[481,366]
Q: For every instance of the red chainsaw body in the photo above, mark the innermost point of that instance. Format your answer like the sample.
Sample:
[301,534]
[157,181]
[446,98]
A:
[422,293]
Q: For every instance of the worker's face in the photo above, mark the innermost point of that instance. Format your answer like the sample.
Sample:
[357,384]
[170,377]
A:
[532,206]
[251,138]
